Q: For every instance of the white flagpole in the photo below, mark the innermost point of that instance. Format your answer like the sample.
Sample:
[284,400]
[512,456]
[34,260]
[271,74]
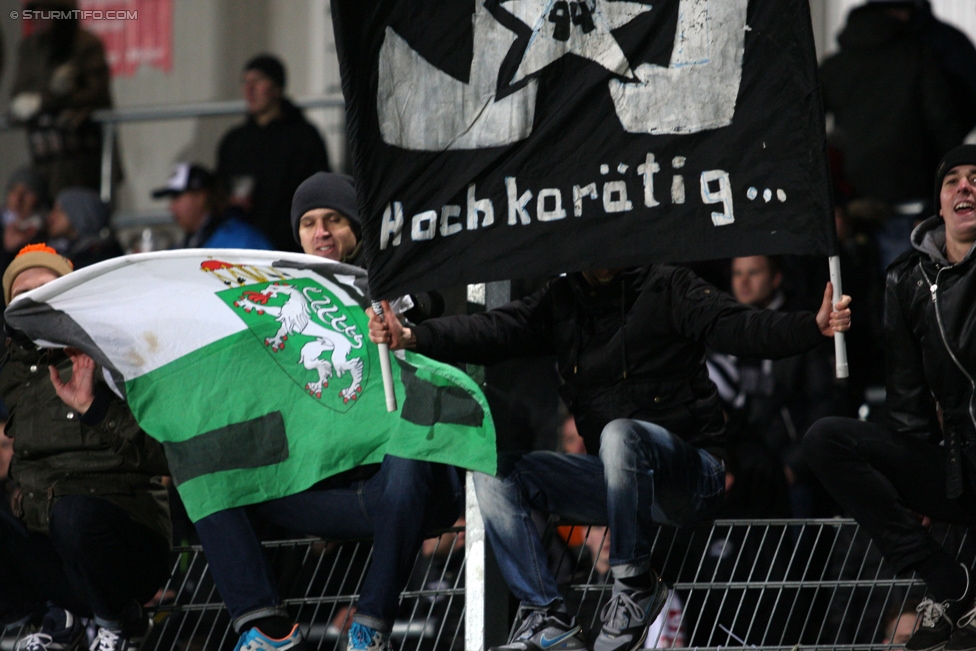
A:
[840,343]
[385,368]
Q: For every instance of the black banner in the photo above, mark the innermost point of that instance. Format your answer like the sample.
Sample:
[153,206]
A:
[498,139]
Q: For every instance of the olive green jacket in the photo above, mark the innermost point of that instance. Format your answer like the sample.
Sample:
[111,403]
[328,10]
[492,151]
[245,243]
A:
[57,451]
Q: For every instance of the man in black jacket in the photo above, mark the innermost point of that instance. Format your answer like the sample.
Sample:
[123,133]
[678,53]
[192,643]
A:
[630,347]
[924,459]
[264,160]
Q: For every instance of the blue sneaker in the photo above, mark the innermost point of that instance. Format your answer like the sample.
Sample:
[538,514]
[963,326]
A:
[539,630]
[364,638]
[254,640]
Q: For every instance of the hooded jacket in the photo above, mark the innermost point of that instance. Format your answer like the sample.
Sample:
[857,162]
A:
[634,348]
[277,157]
[930,339]
[93,239]
[893,104]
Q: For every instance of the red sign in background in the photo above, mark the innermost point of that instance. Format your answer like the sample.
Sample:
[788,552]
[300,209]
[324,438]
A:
[135,32]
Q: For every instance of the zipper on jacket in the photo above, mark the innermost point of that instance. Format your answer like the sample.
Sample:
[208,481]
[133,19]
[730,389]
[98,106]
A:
[933,289]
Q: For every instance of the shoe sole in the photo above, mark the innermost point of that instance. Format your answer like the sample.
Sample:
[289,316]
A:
[937,647]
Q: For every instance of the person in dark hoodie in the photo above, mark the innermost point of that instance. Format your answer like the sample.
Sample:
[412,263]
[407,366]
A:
[78,228]
[630,348]
[896,111]
[263,161]
[924,460]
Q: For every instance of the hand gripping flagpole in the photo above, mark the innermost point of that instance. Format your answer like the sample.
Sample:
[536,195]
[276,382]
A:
[385,368]
[840,343]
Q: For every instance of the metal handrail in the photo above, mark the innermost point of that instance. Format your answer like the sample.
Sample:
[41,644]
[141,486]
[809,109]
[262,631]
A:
[111,118]
[199,109]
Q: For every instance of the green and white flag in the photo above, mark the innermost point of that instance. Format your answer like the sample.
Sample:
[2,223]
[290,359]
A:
[255,370]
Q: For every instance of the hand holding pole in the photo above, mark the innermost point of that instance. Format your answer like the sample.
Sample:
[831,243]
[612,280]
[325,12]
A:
[840,344]
[385,368]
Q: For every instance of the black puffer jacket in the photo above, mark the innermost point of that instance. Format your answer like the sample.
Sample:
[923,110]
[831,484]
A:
[930,339]
[634,348]
[58,452]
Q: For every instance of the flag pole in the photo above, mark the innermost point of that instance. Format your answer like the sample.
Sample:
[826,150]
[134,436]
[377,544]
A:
[840,342]
[385,368]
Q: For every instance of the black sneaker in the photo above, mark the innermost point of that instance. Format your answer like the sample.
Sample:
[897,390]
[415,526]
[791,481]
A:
[129,638]
[627,615]
[60,631]
[544,631]
[934,627]
[964,634]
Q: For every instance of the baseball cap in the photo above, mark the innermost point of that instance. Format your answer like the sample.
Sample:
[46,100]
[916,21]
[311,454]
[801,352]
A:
[184,177]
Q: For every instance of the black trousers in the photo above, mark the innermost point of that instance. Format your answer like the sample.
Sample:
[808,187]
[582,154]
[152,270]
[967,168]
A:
[96,561]
[884,480]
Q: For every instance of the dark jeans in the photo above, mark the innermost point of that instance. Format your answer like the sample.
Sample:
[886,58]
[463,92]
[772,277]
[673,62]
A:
[396,507]
[95,562]
[883,479]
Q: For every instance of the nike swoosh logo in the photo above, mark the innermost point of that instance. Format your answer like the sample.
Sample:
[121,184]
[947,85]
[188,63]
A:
[545,642]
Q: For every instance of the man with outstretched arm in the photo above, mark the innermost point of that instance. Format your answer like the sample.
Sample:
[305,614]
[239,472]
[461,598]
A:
[630,346]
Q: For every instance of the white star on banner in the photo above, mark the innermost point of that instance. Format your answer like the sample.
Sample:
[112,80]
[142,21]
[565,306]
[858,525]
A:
[580,27]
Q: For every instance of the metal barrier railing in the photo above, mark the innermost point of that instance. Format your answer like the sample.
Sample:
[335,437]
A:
[767,584]
[764,584]
[110,119]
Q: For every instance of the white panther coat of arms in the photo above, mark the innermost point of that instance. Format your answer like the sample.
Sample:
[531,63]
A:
[329,352]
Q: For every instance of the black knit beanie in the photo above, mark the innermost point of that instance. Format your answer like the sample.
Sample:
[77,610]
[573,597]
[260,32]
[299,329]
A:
[961,155]
[270,66]
[326,190]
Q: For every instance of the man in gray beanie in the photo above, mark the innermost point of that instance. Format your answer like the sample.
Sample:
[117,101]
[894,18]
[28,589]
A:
[924,460]
[395,502]
[325,218]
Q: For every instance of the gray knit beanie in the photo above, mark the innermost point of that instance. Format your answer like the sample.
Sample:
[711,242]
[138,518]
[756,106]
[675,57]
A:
[326,190]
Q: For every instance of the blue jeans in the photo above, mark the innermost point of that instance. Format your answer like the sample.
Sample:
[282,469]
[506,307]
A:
[396,507]
[644,476]
[96,561]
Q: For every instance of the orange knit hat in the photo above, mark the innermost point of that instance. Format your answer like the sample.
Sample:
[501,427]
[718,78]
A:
[35,255]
